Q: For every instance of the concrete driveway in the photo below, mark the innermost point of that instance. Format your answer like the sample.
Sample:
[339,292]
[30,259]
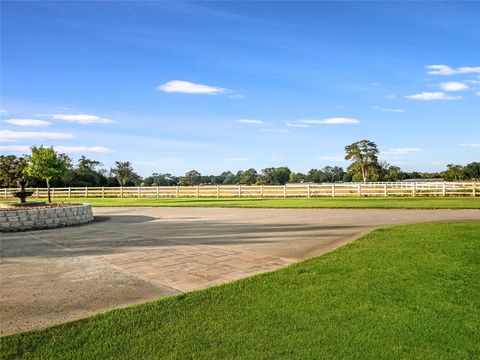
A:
[131,255]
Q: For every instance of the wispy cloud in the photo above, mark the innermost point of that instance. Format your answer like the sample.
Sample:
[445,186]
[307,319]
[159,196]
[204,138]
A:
[3,111]
[33,135]
[388,110]
[401,151]
[453,86]
[83,149]
[335,158]
[473,145]
[330,121]
[296,125]
[251,121]
[429,96]
[80,118]
[65,149]
[28,122]
[187,87]
[15,148]
[477,93]
[237,159]
[447,70]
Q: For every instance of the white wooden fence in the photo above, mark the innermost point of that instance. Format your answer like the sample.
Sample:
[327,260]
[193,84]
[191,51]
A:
[289,190]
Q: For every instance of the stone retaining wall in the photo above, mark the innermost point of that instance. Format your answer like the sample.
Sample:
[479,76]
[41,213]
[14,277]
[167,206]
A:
[43,218]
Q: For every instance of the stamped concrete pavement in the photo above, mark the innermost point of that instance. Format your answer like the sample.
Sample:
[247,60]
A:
[130,255]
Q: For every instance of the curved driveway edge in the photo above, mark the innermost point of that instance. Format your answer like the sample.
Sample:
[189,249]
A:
[137,254]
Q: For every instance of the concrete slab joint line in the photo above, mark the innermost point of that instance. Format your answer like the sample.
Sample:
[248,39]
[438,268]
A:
[139,254]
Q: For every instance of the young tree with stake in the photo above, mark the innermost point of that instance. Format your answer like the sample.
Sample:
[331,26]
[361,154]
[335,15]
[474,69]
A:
[46,164]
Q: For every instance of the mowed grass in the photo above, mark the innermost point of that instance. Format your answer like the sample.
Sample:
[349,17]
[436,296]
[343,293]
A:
[390,202]
[409,292]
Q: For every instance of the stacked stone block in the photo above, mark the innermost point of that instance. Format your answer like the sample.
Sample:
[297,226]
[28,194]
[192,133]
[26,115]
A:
[44,218]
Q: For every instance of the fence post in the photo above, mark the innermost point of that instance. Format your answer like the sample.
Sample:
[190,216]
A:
[53,192]
[218,191]
[284,191]
[86,191]
[69,192]
[158,191]
[239,190]
[385,189]
[414,190]
[103,191]
[37,195]
[308,190]
[474,189]
[359,189]
[121,192]
[198,191]
[138,191]
[444,189]
[177,191]
[261,191]
[333,190]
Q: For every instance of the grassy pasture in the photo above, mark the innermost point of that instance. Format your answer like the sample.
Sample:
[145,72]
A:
[363,202]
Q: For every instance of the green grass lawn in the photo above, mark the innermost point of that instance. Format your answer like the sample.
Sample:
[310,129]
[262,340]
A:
[409,291]
[390,202]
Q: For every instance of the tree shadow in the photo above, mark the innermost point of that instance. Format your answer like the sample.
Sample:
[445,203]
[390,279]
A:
[119,233]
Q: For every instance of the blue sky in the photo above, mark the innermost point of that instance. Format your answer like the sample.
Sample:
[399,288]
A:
[214,86]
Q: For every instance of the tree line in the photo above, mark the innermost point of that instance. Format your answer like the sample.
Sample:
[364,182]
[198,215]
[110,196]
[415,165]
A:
[45,166]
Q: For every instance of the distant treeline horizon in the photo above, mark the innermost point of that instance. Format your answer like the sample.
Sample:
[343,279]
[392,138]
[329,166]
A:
[88,172]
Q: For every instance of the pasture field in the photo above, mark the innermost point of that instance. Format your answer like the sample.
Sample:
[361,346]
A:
[381,203]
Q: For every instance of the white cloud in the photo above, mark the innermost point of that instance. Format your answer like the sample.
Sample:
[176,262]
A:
[289,124]
[83,149]
[401,151]
[447,70]
[477,93]
[28,122]
[237,159]
[471,145]
[336,158]
[81,118]
[428,96]
[67,149]
[187,87]
[32,135]
[3,111]
[388,110]
[453,86]
[251,121]
[330,121]
[15,148]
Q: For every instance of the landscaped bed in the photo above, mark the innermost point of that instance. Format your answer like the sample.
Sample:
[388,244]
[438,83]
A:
[401,203]
[401,292]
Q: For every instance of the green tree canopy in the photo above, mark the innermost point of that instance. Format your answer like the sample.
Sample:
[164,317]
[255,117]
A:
[11,170]
[46,164]
[125,174]
[364,157]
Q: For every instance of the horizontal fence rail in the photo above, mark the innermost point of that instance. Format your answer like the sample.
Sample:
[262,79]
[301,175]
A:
[290,190]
